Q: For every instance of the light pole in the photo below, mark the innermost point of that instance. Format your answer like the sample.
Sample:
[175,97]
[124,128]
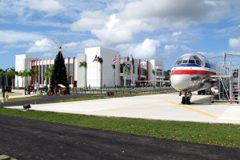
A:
[3,88]
[114,68]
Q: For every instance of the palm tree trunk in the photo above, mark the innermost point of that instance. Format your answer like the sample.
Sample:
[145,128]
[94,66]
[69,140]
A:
[12,83]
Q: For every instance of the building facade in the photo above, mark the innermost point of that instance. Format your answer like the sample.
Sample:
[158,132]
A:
[96,67]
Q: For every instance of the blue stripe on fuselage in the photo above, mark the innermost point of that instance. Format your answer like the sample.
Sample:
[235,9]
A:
[189,65]
[194,65]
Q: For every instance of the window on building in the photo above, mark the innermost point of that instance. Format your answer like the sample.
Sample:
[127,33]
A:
[121,68]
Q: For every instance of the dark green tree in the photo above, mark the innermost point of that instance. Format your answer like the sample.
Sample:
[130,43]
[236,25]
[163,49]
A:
[59,75]
[167,74]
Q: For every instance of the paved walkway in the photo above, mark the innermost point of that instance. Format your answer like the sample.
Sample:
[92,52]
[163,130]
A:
[162,107]
[35,140]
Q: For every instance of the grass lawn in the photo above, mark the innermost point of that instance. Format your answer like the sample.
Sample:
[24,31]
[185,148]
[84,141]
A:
[215,134]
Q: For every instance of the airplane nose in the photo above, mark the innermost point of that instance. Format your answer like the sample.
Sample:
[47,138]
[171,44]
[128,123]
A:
[180,82]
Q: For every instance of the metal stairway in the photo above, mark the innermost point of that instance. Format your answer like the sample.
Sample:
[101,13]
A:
[228,83]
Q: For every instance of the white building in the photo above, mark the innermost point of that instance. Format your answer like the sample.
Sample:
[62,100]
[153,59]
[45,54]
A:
[22,62]
[104,68]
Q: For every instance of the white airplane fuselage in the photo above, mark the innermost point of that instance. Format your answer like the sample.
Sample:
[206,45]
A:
[191,73]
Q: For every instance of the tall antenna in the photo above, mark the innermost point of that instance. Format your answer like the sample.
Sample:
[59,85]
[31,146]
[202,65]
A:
[60,48]
[58,44]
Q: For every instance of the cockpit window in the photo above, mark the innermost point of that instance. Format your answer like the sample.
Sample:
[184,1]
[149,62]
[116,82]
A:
[198,62]
[191,61]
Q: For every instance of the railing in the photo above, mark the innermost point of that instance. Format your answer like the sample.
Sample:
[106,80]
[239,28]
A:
[228,85]
[122,91]
[225,92]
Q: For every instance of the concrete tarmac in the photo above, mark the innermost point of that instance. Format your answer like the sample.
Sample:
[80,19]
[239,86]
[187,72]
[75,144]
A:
[160,107]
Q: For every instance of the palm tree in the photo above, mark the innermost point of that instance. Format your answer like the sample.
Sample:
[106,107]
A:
[10,74]
[1,73]
[83,64]
[49,72]
[2,76]
[153,72]
[25,74]
[33,72]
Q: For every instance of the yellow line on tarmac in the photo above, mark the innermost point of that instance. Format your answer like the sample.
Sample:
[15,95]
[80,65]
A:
[195,110]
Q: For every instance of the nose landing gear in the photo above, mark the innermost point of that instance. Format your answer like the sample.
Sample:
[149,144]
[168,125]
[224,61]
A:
[186,98]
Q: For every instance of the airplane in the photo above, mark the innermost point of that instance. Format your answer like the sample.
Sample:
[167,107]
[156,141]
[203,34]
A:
[192,72]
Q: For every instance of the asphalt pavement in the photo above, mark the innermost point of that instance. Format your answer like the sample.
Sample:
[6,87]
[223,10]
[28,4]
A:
[27,140]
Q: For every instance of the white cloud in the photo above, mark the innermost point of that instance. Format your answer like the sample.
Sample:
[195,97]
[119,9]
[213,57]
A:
[49,6]
[90,21]
[109,29]
[170,48]
[234,44]
[175,37]
[75,47]
[42,45]
[143,16]
[9,36]
[92,43]
[176,34]
[72,44]
[120,31]
[176,14]
[146,49]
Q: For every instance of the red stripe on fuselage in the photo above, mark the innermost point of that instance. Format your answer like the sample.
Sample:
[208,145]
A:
[191,72]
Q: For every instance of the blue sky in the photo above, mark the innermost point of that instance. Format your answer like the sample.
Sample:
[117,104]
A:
[161,29]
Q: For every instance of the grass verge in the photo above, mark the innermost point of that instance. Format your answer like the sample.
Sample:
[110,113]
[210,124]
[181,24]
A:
[227,135]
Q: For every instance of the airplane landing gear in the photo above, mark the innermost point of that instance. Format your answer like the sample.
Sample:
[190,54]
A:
[186,98]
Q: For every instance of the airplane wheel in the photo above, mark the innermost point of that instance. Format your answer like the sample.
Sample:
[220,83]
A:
[188,100]
[183,100]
